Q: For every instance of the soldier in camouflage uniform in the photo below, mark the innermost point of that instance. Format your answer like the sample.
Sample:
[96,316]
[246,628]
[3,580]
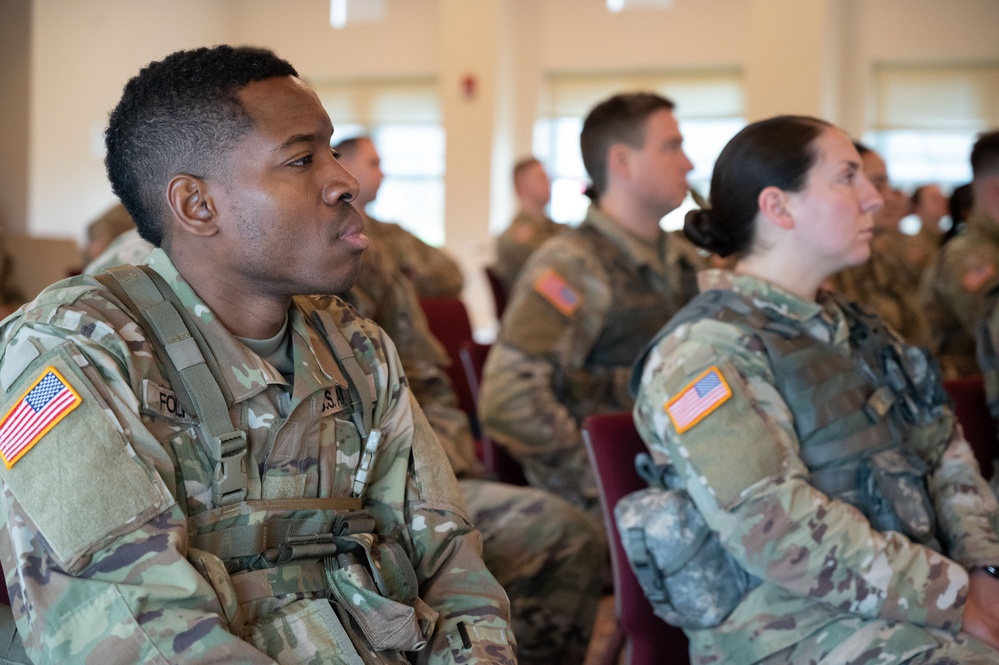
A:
[885,283]
[128,539]
[966,268]
[546,553]
[432,271]
[589,299]
[531,227]
[752,400]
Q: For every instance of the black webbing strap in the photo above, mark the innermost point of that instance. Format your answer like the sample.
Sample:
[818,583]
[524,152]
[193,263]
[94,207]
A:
[186,361]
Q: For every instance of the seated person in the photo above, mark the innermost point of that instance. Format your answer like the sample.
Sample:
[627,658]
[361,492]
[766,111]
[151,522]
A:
[205,464]
[816,446]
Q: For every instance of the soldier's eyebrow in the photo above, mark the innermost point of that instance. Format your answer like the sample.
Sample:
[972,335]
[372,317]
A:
[295,139]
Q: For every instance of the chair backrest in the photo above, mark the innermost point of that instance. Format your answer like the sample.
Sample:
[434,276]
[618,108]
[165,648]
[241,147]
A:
[498,290]
[613,442]
[494,457]
[449,323]
[977,422]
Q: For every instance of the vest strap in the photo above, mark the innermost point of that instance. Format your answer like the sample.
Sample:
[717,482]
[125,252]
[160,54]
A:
[142,290]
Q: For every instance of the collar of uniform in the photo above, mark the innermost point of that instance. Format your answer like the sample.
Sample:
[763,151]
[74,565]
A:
[641,251]
[246,373]
[823,319]
[315,366]
[765,294]
[979,222]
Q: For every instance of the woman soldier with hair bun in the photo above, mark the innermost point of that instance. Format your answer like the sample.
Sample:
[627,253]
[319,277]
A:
[816,447]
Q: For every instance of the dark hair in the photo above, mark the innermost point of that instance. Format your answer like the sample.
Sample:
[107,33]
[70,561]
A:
[620,119]
[861,148]
[985,155]
[180,115]
[960,203]
[776,152]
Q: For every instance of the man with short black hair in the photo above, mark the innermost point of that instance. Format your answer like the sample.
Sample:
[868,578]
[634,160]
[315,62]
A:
[202,465]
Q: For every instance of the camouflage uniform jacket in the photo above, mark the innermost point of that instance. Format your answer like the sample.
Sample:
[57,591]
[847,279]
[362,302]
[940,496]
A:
[515,245]
[585,305]
[432,271]
[99,512]
[383,295]
[953,292]
[821,563]
[127,248]
[884,283]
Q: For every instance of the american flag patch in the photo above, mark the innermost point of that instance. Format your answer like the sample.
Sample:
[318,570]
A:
[49,400]
[701,396]
[554,289]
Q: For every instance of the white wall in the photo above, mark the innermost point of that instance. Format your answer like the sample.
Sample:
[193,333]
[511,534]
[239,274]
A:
[811,55]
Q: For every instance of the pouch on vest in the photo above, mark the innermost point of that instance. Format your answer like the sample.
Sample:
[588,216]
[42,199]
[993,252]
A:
[893,483]
[690,579]
[304,631]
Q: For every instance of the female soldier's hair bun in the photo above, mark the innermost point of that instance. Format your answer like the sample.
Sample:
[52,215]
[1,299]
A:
[701,227]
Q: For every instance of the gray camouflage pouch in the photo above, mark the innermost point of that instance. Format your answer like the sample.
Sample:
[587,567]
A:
[690,579]
[896,496]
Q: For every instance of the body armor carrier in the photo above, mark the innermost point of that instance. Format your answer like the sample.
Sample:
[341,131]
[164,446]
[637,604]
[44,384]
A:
[644,300]
[252,551]
[852,414]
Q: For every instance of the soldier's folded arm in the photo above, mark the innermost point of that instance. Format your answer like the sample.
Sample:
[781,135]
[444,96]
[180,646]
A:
[443,545]
[742,468]
[95,545]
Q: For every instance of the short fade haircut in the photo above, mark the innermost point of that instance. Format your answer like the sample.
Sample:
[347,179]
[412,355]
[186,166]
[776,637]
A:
[620,119]
[180,115]
[985,155]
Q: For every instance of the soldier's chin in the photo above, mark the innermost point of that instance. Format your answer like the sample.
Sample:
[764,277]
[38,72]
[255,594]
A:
[346,279]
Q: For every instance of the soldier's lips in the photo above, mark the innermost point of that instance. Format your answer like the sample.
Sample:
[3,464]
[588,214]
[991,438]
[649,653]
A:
[354,234]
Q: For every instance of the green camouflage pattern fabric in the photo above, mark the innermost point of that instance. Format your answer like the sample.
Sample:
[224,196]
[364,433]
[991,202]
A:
[127,248]
[953,292]
[515,245]
[548,370]
[433,273]
[547,554]
[100,514]
[885,284]
[833,589]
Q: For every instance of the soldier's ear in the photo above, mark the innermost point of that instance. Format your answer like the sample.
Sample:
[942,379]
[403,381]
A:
[192,205]
[775,206]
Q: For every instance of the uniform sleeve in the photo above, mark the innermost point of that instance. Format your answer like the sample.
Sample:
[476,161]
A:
[739,458]
[414,486]
[432,271]
[94,545]
[551,324]
[964,275]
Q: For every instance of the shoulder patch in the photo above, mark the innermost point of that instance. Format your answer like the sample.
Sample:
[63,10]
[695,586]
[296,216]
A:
[49,399]
[696,402]
[552,287]
[975,278]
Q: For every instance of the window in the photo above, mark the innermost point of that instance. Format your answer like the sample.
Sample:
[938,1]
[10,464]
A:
[403,119]
[709,111]
[926,119]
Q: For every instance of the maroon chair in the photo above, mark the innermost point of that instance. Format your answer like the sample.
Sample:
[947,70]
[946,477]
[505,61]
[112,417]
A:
[449,323]
[977,422]
[494,457]
[499,291]
[612,443]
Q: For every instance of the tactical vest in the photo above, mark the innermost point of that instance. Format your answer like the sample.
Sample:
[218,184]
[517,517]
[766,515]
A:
[644,300]
[847,410]
[256,550]
[852,415]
